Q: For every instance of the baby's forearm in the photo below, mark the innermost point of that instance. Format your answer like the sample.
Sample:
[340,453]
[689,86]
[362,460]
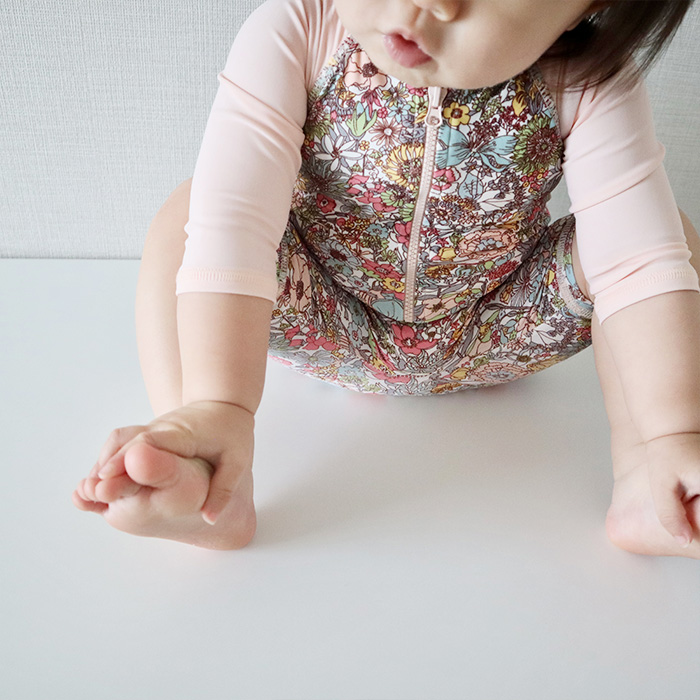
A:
[656,347]
[223,347]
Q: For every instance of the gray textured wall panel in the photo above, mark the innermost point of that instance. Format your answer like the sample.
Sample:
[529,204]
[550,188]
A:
[103,106]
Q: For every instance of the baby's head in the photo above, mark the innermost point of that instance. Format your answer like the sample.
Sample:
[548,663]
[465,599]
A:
[472,44]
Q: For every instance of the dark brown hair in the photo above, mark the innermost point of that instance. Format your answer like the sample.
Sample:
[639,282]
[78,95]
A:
[606,45]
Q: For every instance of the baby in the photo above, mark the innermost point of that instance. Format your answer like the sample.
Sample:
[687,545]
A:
[369,207]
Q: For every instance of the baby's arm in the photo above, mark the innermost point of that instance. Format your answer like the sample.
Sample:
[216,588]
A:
[239,208]
[223,347]
[636,261]
[655,346]
[223,342]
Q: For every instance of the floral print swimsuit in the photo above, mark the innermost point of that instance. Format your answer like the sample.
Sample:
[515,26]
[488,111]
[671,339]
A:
[418,257]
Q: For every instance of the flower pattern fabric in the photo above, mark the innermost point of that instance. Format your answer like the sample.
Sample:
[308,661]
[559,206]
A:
[489,304]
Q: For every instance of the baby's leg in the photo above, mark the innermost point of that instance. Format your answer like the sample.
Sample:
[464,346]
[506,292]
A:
[631,522]
[160,494]
[156,303]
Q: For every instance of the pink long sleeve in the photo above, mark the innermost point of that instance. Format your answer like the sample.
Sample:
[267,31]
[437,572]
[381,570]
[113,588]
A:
[629,231]
[251,151]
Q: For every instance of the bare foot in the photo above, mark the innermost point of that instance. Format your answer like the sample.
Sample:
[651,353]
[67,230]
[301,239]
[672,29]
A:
[162,495]
[632,523]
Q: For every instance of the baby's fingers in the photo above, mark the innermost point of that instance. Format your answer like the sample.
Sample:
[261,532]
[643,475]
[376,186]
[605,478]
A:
[221,489]
[667,494]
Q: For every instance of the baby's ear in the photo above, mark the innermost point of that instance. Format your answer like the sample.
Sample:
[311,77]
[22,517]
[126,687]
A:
[599,5]
[595,6]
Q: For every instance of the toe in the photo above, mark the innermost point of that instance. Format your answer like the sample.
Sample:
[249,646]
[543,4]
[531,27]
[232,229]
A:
[90,506]
[88,490]
[110,490]
[81,490]
[93,472]
[79,501]
[149,466]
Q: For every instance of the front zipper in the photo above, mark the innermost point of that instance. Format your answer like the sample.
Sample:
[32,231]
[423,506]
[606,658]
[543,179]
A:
[433,120]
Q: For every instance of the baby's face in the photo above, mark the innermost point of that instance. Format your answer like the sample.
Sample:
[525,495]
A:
[471,43]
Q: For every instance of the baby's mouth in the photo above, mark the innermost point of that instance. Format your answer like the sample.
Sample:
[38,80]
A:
[405,51]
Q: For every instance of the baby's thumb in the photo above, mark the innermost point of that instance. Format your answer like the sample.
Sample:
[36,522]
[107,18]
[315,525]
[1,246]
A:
[670,509]
[221,490]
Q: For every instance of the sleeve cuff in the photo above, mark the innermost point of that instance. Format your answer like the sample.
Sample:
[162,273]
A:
[247,282]
[630,292]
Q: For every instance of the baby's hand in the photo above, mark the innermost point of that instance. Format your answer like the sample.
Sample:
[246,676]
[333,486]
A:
[218,432]
[674,476]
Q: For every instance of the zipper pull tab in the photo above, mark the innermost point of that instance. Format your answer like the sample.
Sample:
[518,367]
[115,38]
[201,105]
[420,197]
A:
[436,96]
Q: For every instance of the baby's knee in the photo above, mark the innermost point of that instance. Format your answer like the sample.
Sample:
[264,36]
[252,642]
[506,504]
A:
[174,213]
[179,198]
[184,187]
[692,239]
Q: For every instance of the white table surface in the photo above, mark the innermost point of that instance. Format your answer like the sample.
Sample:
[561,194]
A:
[407,548]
